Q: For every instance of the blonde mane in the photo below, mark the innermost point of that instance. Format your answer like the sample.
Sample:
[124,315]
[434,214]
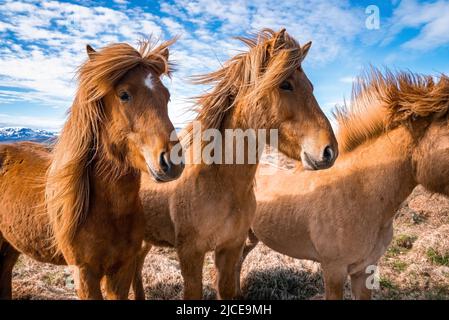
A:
[68,185]
[383,101]
[248,77]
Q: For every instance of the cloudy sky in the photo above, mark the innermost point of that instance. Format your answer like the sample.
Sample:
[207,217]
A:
[42,43]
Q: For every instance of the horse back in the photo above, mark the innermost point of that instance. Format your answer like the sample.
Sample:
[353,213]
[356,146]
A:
[23,150]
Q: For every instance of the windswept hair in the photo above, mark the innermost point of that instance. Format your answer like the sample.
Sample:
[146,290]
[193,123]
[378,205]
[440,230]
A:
[248,77]
[383,101]
[68,185]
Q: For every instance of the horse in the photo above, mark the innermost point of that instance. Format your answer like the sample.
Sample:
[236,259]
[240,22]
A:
[77,202]
[212,205]
[393,136]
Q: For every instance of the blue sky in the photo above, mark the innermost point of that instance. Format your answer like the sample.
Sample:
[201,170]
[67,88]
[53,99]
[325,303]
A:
[42,43]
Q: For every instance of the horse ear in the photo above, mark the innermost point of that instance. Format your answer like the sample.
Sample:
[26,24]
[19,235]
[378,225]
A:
[165,53]
[278,41]
[161,63]
[281,34]
[305,49]
[90,51]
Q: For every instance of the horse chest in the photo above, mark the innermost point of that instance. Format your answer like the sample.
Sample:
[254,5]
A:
[229,219]
[106,238]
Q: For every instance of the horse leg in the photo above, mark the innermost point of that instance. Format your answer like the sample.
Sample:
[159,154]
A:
[250,244]
[334,281]
[8,258]
[359,286]
[227,261]
[119,282]
[191,260]
[89,287]
[138,289]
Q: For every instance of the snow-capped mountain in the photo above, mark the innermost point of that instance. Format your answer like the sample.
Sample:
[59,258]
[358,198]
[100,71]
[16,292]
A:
[14,134]
[25,134]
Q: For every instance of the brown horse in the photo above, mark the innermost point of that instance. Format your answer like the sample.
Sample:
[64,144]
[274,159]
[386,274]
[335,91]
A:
[211,206]
[79,203]
[394,136]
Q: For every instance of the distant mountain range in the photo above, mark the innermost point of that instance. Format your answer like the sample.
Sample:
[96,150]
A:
[13,134]
[25,134]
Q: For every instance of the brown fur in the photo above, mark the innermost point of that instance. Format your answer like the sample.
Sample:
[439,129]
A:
[211,206]
[79,204]
[396,135]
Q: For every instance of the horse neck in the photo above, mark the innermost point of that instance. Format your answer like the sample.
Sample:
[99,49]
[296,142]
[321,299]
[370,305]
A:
[386,168]
[114,182]
[241,175]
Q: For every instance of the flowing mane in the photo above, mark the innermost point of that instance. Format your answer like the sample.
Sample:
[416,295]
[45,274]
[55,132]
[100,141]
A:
[247,77]
[383,101]
[67,185]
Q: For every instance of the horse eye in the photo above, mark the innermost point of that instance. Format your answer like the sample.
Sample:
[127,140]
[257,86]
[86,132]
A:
[286,85]
[124,97]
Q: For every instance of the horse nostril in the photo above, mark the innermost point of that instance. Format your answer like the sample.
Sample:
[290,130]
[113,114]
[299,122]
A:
[164,163]
[328,154]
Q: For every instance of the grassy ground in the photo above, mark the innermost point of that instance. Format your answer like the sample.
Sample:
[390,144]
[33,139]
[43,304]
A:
[416,265]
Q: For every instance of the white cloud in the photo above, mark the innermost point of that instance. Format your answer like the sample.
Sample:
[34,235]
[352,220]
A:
[50,40]
[31,122]
[348,79]
[431,18]
[174,27]
[331,24]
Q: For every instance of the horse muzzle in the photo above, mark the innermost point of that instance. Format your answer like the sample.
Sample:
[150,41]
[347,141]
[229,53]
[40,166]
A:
[325,160]
[166,170]
[161,167]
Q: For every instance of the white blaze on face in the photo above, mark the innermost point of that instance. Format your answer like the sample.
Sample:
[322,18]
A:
[149,81]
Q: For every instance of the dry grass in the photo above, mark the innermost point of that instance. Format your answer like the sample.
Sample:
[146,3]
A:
[416,265]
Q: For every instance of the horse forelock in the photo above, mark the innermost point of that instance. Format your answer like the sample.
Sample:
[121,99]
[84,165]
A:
[382,101]
[67,185]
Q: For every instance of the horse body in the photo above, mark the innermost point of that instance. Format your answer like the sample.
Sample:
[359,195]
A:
[78,203]
[24,196]
[159,228]
[211,206]
[28,228]
[343,217]
[121,225]
[163,209]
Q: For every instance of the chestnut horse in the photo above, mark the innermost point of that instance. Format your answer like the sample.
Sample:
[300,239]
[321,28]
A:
[211,206]
[79,203]
[394,136]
